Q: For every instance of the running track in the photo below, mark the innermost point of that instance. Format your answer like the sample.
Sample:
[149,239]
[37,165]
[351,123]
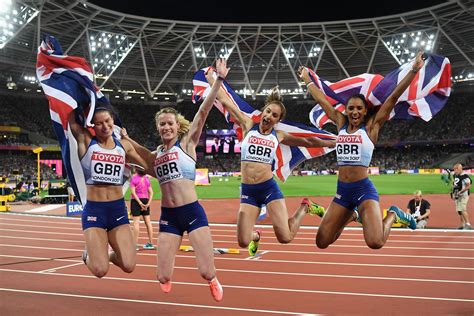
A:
[425,272]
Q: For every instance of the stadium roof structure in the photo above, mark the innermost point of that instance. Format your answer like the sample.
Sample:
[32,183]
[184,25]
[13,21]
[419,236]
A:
[154,56]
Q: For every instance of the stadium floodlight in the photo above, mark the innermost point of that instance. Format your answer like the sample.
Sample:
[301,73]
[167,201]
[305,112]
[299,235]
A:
[289,51]
[13,18]
[108,50]
[225,51]
[200,51]
[31,79]
[314,51]
[463,77]
[404,46]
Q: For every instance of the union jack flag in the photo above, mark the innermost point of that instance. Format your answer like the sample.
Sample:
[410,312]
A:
[67,82]
[287,157]
[426,95]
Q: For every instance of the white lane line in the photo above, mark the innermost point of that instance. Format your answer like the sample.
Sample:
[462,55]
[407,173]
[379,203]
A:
[316,252]
[61,267]
[46,208]
[399,232]
[300,245]
[254,288]
[222,270]
[150,302]
[40,232]
[257,256]
[278,261]
[342,239]
[293,244]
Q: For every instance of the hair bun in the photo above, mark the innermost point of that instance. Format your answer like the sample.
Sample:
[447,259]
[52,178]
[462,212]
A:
[274,95]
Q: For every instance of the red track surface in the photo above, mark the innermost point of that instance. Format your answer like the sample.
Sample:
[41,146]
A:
[424,272]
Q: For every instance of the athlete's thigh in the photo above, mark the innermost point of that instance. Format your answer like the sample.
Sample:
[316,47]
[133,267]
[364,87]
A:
[372,222]
[122,241]
[201,241]
[334,220]
[247,218]
[279,215]
[168,245]
[96,244]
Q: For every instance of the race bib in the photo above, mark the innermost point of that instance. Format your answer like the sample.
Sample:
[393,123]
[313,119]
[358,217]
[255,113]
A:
[167,168]
[107,168]
[349,148]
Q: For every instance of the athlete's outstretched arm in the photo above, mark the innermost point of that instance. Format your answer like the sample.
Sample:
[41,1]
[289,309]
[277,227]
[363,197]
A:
[236,114]
[334,115]
[291,140]
[384,112]
[200,118]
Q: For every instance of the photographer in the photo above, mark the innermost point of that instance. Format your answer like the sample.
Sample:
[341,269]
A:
[460,194]
[420,209]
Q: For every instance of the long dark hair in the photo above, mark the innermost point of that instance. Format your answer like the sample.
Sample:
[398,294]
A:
[370,110]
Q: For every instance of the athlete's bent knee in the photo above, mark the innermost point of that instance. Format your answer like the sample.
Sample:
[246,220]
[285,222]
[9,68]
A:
[100,271]
[321,241]
[163,279]
[284,239]
[321,244]
[128,267]
[375,244]
[243,243]
[208,275]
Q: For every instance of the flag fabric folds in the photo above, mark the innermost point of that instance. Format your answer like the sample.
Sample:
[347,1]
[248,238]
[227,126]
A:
[288,157]
[67,82]
[424,98]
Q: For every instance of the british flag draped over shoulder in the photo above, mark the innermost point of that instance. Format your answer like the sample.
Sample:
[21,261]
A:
[287,157]
[67,82]
[426,95]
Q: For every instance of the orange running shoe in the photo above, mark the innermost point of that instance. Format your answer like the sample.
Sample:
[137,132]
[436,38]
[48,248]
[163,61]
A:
[166,287]
[216,289]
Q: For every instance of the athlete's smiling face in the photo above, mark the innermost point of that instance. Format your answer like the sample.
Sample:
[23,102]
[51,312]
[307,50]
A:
[167,126]
[356,111]
[103,124]
[271,115]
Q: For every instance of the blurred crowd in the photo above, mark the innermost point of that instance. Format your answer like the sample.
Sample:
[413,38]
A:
[428,142]
[23,167]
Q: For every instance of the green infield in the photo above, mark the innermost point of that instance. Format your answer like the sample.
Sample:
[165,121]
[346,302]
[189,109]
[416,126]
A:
[229,187]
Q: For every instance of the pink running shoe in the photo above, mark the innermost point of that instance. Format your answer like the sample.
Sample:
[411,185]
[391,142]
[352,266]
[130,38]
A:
[216,289]
[166,287]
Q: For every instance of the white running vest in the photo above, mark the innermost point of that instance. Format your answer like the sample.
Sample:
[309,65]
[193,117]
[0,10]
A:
[257,147]
[354,149]
[103,166]
[173,164]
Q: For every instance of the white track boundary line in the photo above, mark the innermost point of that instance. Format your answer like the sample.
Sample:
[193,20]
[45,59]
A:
[316,252]
[260,272]
[45,208]
[283,261]
[393,234]
[256,288]
[61,267]
[339,240]
[149,302]
[303,227]
[301,245]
